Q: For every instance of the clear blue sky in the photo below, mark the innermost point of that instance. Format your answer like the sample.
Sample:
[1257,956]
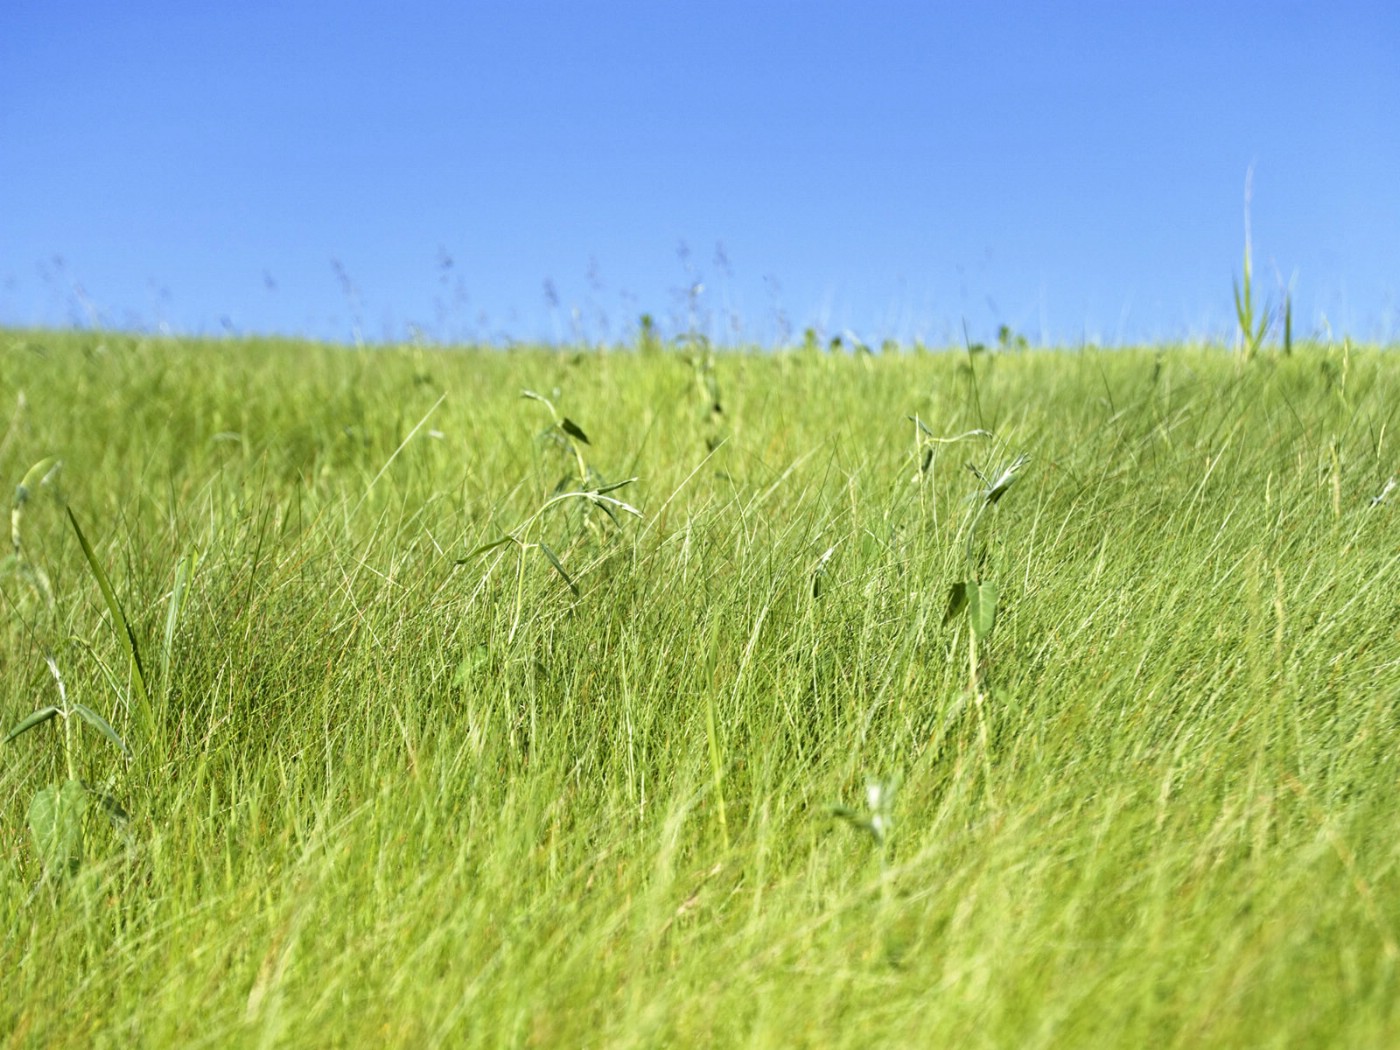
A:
[539,170]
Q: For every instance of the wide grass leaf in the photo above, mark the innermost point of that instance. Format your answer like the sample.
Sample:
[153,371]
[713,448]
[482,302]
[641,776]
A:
[39,717]
[104,727]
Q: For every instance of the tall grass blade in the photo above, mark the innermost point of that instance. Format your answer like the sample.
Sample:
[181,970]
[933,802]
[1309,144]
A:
[124,631]
[183,572]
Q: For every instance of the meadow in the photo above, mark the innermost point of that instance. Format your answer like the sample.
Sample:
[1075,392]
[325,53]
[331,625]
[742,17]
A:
[698,699]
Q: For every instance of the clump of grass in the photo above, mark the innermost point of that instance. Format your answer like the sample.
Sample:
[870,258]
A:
[1254,321]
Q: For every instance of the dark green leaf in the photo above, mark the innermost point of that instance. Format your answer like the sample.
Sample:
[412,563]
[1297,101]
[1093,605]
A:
[110,804]
[574,430]
[957,601]
[554,560]
[37,718]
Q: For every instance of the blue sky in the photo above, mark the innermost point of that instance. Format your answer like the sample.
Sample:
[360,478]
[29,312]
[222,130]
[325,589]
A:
[530,170]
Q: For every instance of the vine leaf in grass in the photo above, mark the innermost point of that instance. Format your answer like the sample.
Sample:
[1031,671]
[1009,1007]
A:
[56,822]
[982,608]
[980,601]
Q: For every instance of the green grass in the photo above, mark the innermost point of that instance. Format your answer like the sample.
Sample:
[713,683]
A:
[386,794]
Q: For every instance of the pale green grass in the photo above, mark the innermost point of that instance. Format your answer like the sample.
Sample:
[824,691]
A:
[368,809]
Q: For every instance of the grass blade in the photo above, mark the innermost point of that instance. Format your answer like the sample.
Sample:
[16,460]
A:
[183,571]
[124,631]
[613,486]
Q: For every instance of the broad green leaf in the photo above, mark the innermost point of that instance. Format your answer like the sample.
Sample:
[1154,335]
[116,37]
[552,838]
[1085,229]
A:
[476,659]
[574,430]
[554,560]
[982,608]
[39,717]
[104,727]
[56,822]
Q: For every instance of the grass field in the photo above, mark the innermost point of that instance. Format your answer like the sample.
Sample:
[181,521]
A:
[732,771]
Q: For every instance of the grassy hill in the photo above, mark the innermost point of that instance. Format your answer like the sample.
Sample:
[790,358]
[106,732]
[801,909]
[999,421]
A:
[806,735]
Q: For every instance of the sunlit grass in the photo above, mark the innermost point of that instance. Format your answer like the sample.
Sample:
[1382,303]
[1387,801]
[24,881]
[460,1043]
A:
[394,782]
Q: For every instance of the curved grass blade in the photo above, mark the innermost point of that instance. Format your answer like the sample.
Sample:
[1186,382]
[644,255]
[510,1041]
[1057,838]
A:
[124,631]
[36,475]
[613,486]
